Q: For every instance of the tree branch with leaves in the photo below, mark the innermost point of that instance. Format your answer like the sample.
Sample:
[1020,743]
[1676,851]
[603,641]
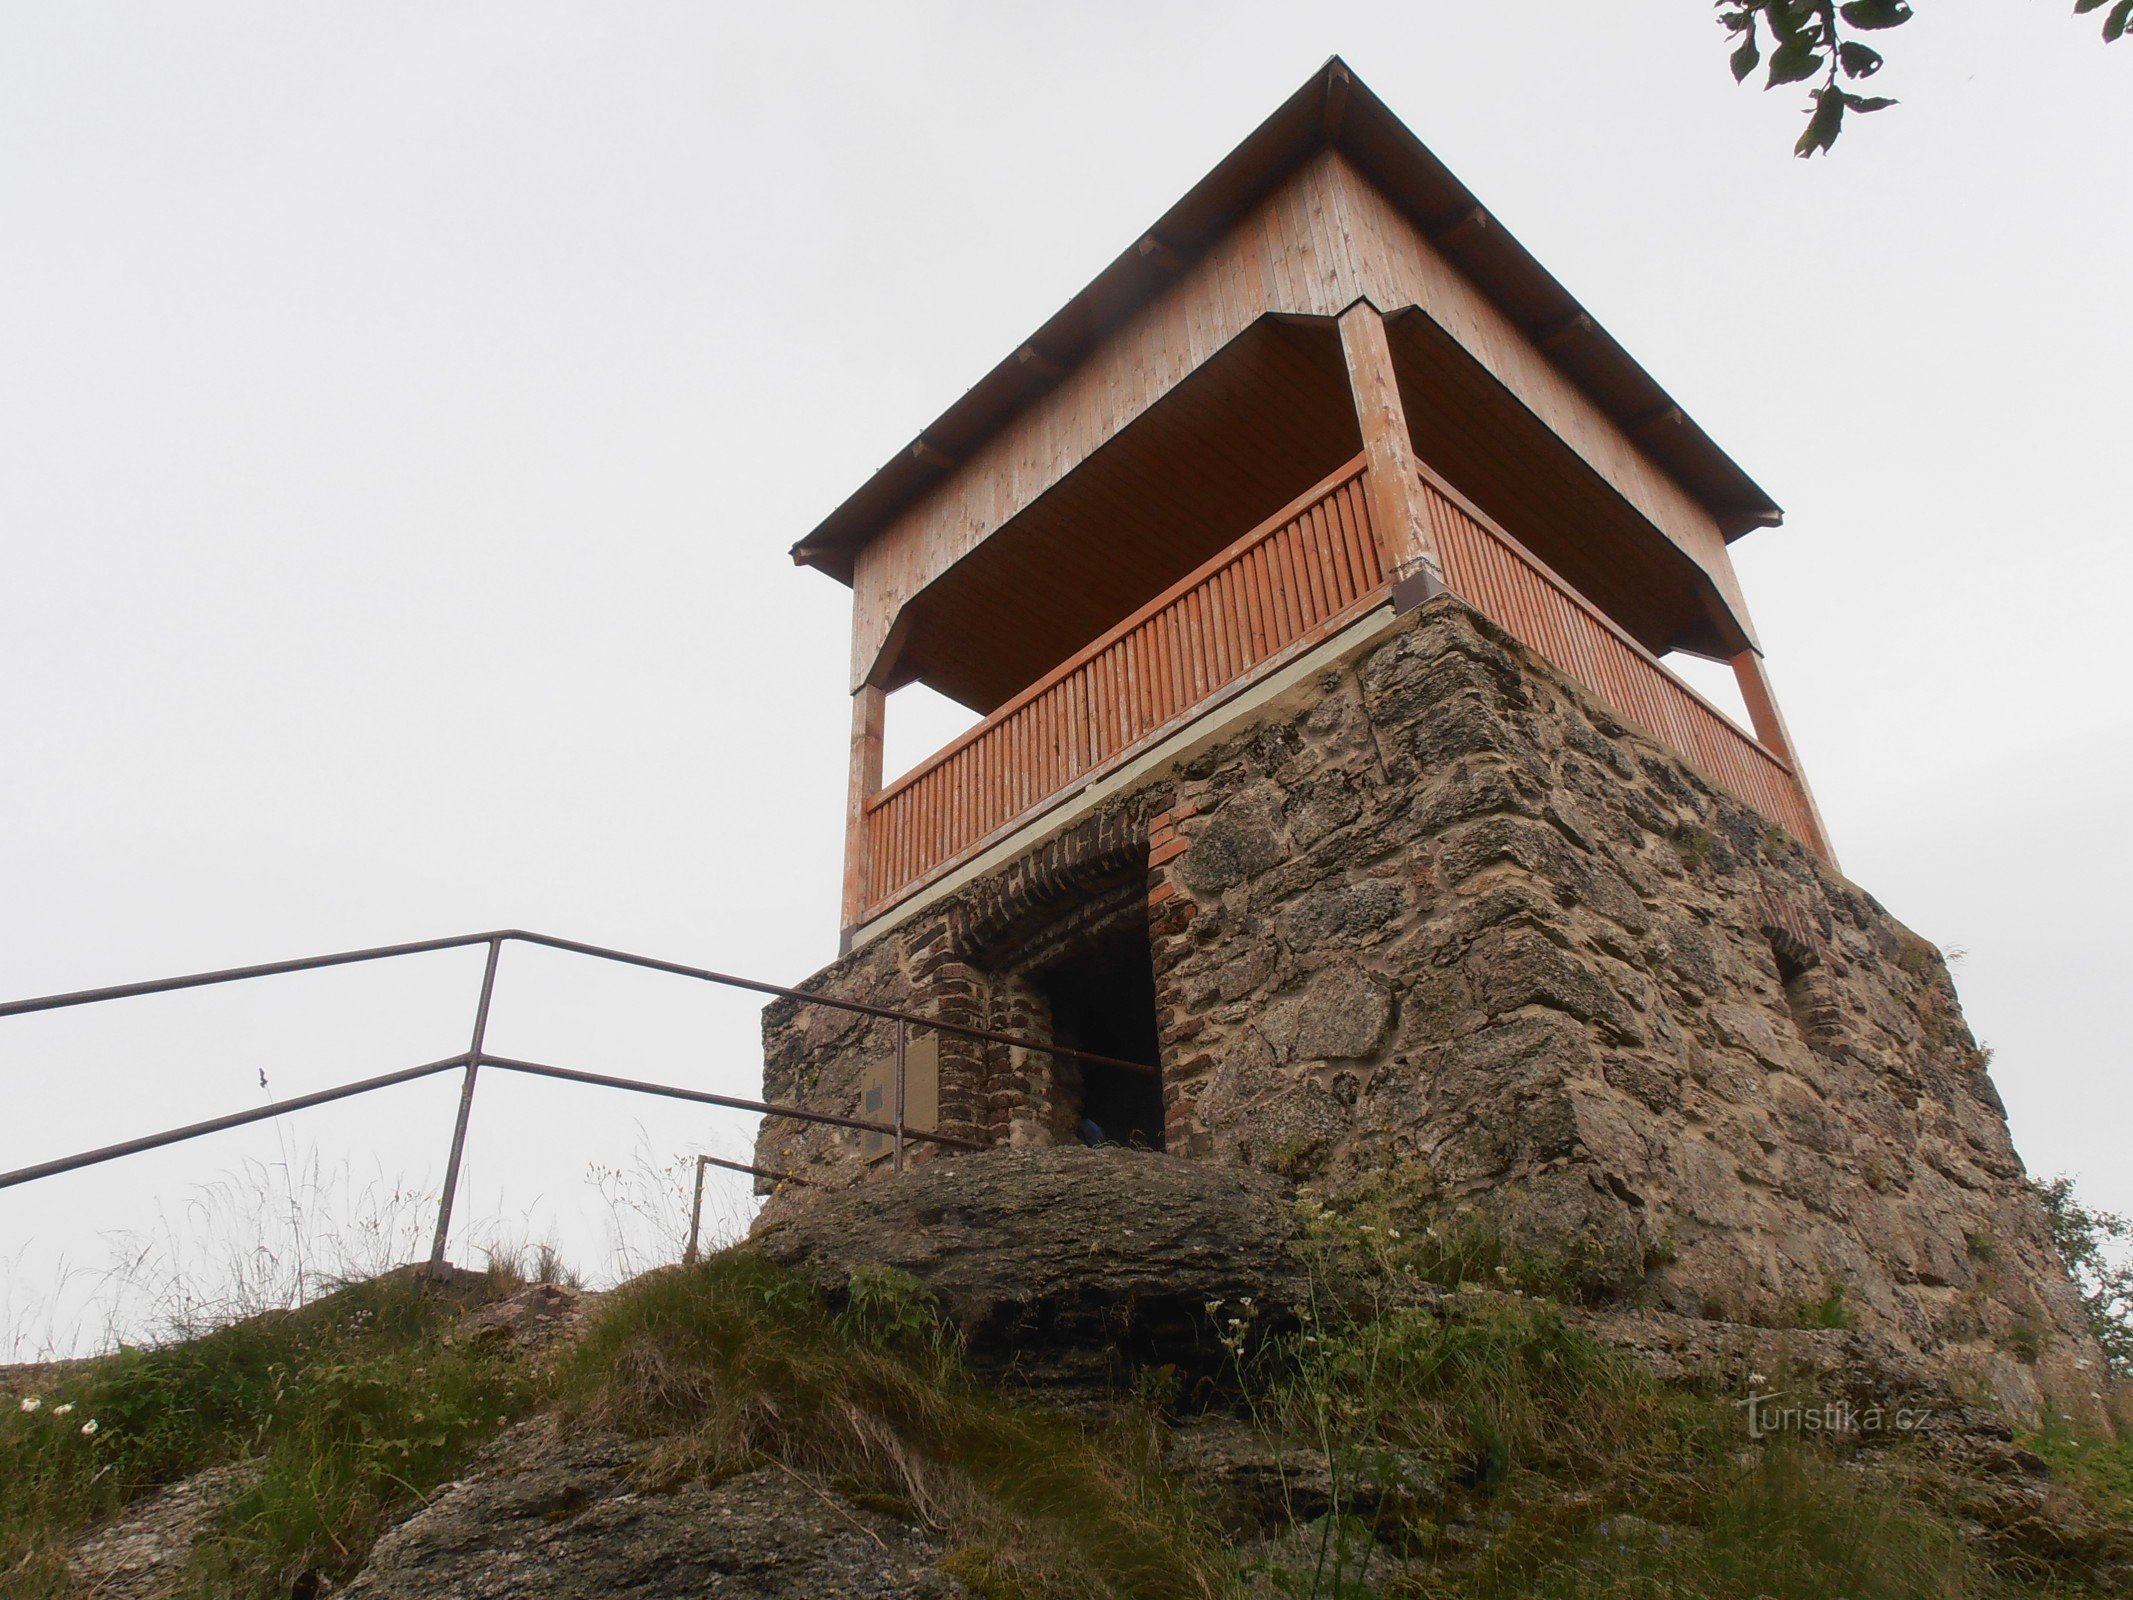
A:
[1811,39]
[2094,1245]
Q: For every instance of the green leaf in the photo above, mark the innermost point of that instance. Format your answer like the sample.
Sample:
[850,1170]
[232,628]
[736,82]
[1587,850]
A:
[1872,14]
[1790,19]
[1795,59]
[1745,58]
[1744,22]
[1878,102]
[1824,126]
[2083,7]
[1858,60]
[2116,24]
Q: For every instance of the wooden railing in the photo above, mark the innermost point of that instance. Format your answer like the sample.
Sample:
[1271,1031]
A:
[1287,584]
[1505,582]
[1290,582]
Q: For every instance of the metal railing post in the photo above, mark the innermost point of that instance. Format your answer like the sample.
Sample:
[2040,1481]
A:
[696,1213]
[466,1108]
[897,1161]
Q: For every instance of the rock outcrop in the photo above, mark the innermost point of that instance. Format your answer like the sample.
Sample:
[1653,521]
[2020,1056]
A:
[1071,1263]
[559,1517]
[142,1554]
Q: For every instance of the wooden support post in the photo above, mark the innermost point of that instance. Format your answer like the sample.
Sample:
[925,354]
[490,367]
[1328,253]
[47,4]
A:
[1756,693]
[869,714]
[1398,506]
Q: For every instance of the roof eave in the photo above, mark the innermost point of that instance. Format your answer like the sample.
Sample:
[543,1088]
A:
[1333,107]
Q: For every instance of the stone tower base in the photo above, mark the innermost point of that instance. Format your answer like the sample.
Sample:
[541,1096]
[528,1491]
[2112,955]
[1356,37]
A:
[1433,912]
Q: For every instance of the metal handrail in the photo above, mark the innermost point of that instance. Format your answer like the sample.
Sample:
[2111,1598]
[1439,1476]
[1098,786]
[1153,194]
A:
[127,991]
[696,1203]
[476,1056]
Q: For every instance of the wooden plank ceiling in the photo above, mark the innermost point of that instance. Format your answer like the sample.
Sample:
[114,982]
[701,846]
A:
[1264,420]
[1472,429]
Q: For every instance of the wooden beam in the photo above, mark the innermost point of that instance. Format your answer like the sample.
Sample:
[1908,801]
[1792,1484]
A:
[1336,111]
[1153,249]
[1458,230]
[1398,506]
[1552,336]
[1031,359]
[870,706]
[1770,731]
[930,455]
[1662,420]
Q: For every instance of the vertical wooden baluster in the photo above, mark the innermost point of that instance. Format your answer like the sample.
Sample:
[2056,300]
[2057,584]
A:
[1340,576]
[1175,694]
[1325,594]
[1100,708]
[1203,670]
[1229,655]
[1346,581]
[1255,578]
[1290,591]
[1137,693]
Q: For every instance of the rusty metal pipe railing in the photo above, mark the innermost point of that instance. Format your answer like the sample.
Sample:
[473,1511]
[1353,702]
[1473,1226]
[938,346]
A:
[270,969]
[696,1203]
[476,1056]
[466,1108]
[127,991]
[763,1108]
[835,1003]
[236,1119]
[537,1069]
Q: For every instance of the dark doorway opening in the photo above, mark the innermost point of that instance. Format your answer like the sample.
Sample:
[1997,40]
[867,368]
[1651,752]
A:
[1103,999]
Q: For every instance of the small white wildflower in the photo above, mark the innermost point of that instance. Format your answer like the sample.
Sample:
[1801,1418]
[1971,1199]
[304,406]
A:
[1213,1306]
[88,1429]
[1757,1377]
[1392,1233]
[60,1411]
[30,1402]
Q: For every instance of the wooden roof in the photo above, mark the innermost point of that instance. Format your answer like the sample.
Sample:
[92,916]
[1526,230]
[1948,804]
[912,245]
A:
[1333,108]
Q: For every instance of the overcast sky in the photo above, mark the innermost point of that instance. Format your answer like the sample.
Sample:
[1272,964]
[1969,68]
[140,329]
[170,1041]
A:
[405,412]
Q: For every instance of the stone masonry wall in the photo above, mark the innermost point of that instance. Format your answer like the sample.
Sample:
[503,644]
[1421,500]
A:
[1437,912]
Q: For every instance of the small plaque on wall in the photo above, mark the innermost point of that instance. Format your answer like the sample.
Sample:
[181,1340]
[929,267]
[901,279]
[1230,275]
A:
[922,1093]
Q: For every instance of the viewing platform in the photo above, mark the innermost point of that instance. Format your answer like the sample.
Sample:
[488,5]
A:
[1294,581]
[1327,381]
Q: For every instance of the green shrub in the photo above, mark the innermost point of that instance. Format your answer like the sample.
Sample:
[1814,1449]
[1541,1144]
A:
[1388,1232]
[2096,1248]
[1830,1311]
[1791,1526]
[1490,1412]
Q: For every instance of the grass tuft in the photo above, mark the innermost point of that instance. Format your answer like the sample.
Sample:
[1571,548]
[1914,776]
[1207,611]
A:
[346,1408]
[734,1362]
[1423,1443]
